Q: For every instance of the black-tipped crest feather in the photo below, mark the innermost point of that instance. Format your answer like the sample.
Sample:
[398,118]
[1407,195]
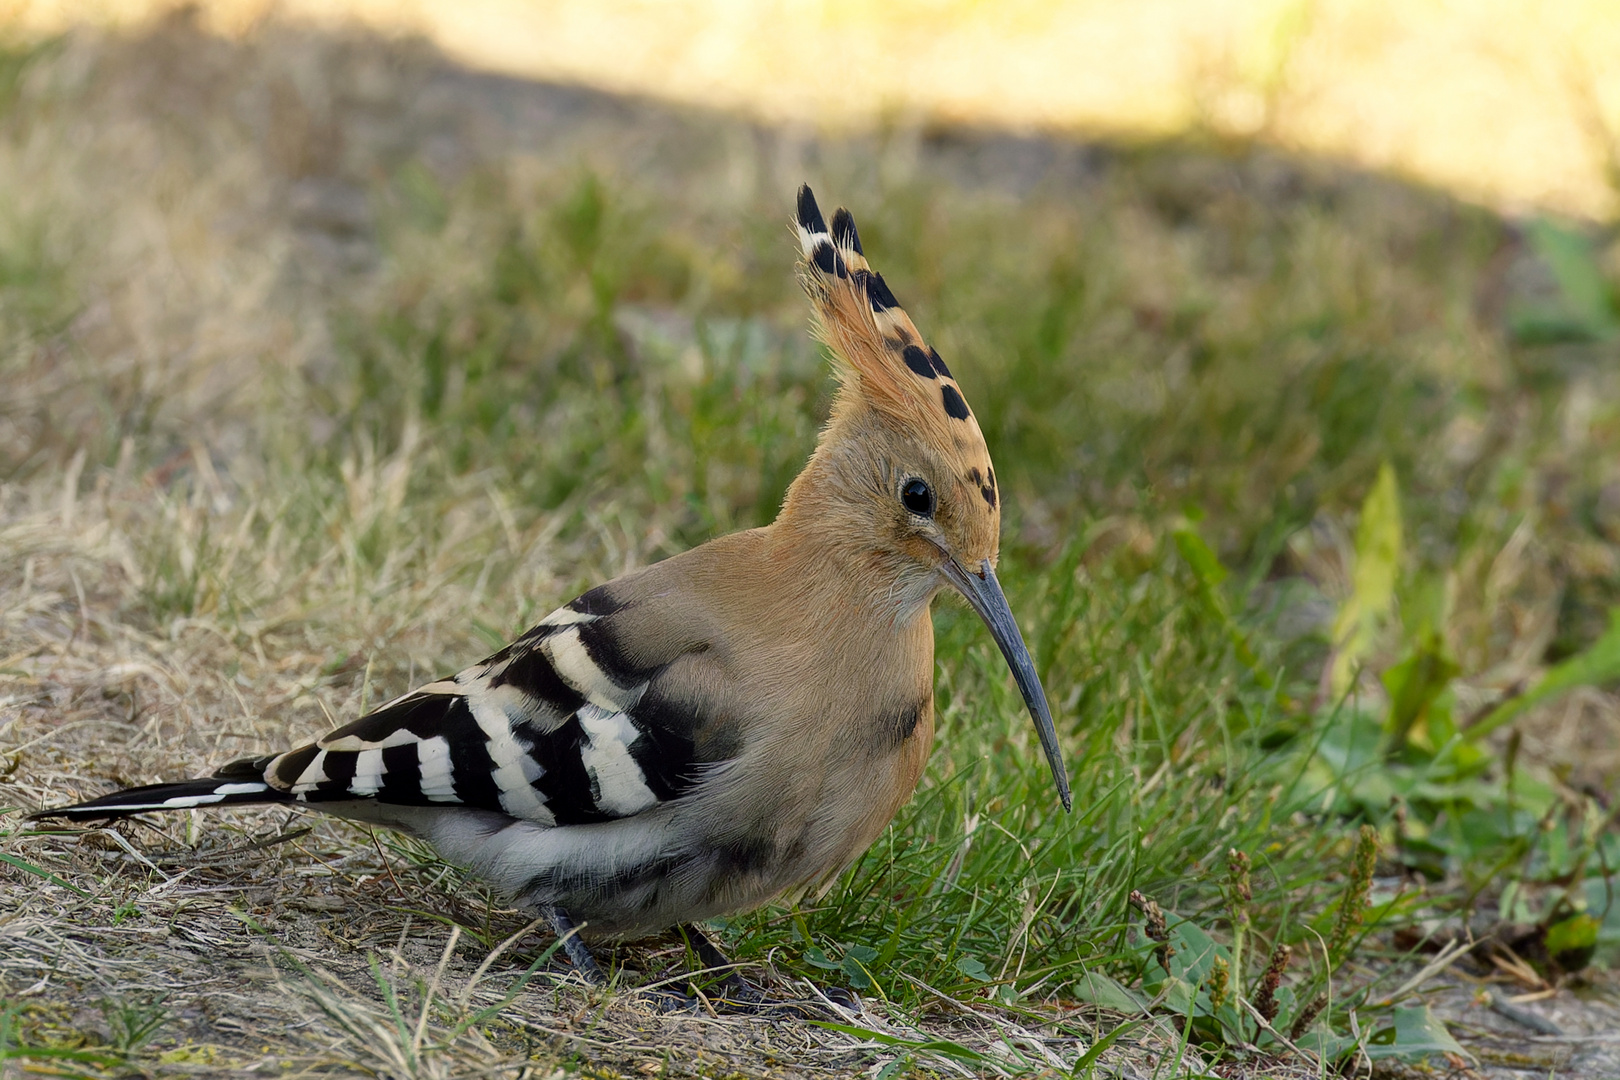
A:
[843,230]
[809,214]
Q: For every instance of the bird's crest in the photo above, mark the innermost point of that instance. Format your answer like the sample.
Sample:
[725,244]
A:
[882,359]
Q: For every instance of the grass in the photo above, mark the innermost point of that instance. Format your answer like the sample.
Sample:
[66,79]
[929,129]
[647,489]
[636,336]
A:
[350,390]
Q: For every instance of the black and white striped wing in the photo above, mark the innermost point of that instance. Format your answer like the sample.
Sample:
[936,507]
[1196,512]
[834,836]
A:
[557,728]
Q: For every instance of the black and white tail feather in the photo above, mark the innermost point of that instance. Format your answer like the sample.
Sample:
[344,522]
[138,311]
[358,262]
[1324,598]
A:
[185,795]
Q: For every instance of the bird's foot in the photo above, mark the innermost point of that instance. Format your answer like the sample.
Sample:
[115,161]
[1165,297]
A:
[672,1002]
[737,995]
[730,992]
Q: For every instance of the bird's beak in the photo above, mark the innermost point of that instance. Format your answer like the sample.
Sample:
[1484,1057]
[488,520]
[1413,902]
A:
[983,591]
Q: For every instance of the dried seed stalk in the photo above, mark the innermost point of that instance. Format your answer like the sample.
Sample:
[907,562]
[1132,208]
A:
[1155,927]
[1265,998]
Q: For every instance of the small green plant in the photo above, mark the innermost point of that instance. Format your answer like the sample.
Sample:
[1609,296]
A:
[1234,996]
[1583,305]
[1518,840]
[133,1021]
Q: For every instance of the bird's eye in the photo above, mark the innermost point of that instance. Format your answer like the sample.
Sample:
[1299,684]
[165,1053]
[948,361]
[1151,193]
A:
[918,497]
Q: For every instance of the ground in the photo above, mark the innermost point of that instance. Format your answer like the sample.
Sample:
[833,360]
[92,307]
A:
[331,365]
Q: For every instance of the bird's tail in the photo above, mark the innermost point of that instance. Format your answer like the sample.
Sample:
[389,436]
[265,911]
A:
[237,783]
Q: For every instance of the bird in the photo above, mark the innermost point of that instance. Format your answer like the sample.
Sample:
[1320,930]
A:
[732,725]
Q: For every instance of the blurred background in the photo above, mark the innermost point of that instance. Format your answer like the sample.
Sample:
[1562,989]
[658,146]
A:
[341,340]
[1509,102]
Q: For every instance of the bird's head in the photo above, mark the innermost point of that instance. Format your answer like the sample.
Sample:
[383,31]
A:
[902,470]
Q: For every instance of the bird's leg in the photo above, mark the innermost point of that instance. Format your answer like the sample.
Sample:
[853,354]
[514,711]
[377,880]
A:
[568,936]
[733,987]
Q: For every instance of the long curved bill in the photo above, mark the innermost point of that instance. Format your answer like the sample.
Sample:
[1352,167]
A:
[983,591]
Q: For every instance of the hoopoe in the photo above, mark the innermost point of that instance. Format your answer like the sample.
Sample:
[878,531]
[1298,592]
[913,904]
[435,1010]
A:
[718,729]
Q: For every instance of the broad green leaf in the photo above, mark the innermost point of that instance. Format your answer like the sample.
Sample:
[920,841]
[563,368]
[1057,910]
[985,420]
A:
[1607,952]
[1372,590]
[1415,686]
[1195,952]
[816,958]
[857,965]
[1416,1033]
[1572,941]
[1598,665]
[1096,988]
[856,974]
[973,968]
[1322,1041]
[1175,994]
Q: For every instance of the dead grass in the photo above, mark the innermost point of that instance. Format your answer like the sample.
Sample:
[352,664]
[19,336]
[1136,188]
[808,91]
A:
[217,536]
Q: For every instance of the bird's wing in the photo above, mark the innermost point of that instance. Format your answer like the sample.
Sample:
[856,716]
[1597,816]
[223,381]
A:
[566,725]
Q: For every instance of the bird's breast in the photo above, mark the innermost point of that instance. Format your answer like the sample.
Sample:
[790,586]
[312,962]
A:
[832,756]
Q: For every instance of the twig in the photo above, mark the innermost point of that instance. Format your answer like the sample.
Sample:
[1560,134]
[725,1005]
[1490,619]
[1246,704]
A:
[465,999]
[1522,1017]
[1453,951]
[386,864]
[1265,1025]
[134,854]
[433,987]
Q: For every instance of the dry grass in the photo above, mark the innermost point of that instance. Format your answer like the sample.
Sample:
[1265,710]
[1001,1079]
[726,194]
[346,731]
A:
[241,501]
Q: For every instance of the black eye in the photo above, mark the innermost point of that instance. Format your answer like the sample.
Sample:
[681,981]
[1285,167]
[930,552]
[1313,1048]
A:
[918,498]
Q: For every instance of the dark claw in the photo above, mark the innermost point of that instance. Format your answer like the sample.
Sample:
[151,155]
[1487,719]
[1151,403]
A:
[743,997]
[718,985]
[844,999]
[670,1001]
[728,991]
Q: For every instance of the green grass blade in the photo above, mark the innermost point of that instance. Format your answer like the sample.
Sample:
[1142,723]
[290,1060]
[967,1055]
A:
[39,871]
